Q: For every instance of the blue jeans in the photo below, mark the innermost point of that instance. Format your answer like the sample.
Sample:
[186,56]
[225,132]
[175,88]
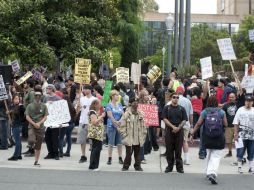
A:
[4,135]
[249,146]
[202,150]
[68,136]
[16,131]
[142,153]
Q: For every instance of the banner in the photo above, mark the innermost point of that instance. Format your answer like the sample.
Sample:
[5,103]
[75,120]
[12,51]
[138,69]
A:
[58,113]
[82,71]
[226,49]
[3,93]
[248,83]
[206,67]
[36,74]
[251,35]
[107,89]
[154,73]
[24,78]
[150,113]
[122,75]
[135,72]
[15,66]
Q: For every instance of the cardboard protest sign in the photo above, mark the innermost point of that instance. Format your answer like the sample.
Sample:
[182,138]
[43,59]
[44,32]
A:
[251,35]
[82,70]
[154,73]
[122,75]
[107,89]
[24,78]
[135,73]
[58,113]
[150,113]
[206,67]
[3,93]
[248,83]
[15,66]
[226,49]
[36,74]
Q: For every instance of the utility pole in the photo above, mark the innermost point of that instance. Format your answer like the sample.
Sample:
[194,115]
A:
[181,33]
[188,32]
[250,7]
[176,33]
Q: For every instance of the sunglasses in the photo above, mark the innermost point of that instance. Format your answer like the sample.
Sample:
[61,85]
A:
[175,97]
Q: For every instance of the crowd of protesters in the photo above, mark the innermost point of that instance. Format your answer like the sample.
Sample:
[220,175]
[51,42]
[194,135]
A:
[218,112]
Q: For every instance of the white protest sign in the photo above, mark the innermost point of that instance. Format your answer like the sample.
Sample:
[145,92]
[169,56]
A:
[122,75]
[135,73]
[3,93]
[24,78]
[206,67]
[226,49]
[251,35]
[248,83]
[15,66]
[58,113]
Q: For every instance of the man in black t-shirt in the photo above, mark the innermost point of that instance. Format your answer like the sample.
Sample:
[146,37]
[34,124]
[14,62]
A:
[230,109]
[174,117]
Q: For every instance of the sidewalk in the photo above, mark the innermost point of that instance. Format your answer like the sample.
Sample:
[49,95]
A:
[155,163]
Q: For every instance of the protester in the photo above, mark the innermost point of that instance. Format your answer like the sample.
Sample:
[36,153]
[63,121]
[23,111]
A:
[4,126]
[17,114]
[114,113]
[84,104]
[95,133]
[214,120]
[73,89]
[244,131]
[36,114]
[133,133]
[175,118]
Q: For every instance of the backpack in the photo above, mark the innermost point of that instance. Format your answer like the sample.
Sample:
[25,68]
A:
[213,123]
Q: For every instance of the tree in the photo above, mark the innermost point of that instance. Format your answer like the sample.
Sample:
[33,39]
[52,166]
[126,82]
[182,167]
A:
[129,29]
[150,6]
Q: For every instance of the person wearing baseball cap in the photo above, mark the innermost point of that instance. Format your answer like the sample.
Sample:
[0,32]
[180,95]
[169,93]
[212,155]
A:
[244,131]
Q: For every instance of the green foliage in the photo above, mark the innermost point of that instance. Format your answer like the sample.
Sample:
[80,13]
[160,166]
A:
[246,25]
[187,71]
[150,6]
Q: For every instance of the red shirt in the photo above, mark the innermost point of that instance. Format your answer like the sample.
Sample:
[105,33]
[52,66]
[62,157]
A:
[219,94]
[197,105]
[59,94]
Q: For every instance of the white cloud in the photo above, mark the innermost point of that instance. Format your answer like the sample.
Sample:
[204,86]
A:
[197,6]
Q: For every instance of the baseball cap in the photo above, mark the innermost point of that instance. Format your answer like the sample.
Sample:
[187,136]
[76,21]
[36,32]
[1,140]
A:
[248,98]
[180,89]
[37,93]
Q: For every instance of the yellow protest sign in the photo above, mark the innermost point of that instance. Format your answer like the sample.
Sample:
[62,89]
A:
[122,75]
[154,73]
[24,78]
[82,70]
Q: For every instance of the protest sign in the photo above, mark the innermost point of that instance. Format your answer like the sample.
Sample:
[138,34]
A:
[58,113]
[15,66]
[6,72]
[206,67]
[82,70]
[226,49]
[3,93]
[135,72]
[154,73]
[248,83]
[107,89]
[24,78]
[36,74]
[150,113]
[251,35]
[122,75]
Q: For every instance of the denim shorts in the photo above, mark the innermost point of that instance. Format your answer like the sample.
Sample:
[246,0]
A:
[249,146]
[114,137]
[82,134]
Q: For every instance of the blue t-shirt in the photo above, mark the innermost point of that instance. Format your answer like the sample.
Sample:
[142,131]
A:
[116,112]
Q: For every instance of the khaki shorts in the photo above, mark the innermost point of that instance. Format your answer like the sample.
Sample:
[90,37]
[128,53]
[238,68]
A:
[35,137]
[229,134]
[82,134]
[186,132]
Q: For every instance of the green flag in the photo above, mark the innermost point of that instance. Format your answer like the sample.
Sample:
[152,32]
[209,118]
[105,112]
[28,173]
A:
[107,89]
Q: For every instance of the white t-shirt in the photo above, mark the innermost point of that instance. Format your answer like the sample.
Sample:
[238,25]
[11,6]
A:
[85,103]
[245,119]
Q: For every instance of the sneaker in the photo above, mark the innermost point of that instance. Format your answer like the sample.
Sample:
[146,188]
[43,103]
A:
[244,161]
[185,162]
[168,170]
[20,157]
[120,160]
[240,171]
[36,163]
[228,155]
[48,157]
[201,157]
[83,159]
[109,162]
[13,158]
[66,154]
[61,155]
[96,170]
[125,169]
[251,171]
[212,178]
[143,162]
[57,158]
[139,169]
[180,171]
[234,164]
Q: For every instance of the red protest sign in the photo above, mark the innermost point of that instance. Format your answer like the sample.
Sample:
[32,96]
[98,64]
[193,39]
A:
[150,113]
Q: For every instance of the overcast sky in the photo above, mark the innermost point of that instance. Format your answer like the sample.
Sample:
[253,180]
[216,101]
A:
[197,6]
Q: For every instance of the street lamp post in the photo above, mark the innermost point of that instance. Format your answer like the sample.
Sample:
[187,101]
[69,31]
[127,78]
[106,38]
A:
[170,25]
[163,61]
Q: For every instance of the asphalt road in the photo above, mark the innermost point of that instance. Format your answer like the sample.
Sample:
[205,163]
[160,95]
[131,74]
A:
[38,179]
